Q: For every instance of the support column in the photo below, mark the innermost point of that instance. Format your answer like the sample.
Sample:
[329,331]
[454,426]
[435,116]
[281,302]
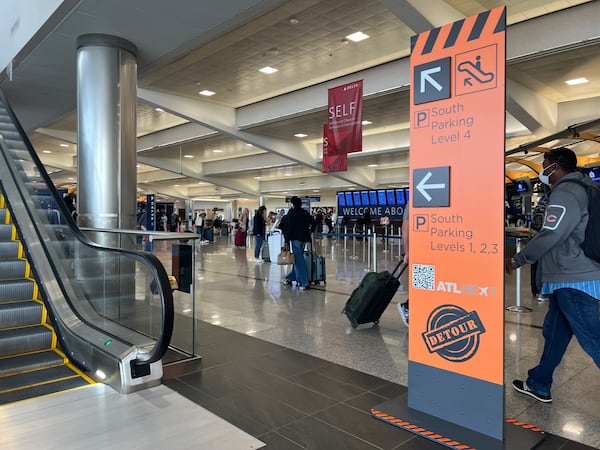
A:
[106,113]
[106,168]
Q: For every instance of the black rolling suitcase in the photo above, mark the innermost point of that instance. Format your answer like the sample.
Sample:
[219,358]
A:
[374,293]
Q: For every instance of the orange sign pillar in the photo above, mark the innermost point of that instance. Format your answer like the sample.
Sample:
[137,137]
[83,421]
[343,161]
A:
[456,344]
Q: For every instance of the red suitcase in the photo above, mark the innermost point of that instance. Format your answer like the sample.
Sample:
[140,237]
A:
[240,239]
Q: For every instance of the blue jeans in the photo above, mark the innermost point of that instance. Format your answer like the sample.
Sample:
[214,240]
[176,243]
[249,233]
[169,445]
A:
[259,242]
[299,273]
[200,231]
[570,312]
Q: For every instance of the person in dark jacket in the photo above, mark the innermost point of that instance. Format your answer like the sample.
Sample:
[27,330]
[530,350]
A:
[297,226]
[258,229]
[567,276]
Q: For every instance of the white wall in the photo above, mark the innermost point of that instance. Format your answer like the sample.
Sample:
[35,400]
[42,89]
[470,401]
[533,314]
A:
[19,21]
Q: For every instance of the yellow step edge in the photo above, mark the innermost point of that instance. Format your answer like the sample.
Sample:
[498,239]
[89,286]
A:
[21,388]
[7,218]
[26,353]
[37,369]
[31,325]
[74,368]
[48,395]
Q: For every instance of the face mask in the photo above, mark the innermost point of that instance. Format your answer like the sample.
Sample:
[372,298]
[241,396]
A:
[546,178]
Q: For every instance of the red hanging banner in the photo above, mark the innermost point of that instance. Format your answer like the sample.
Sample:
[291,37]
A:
[345,117]
[332,160]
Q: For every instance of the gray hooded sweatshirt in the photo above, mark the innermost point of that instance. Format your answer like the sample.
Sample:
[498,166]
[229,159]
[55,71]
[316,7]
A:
[557,247]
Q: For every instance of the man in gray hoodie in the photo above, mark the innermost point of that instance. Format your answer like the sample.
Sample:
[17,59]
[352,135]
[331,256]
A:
[567,276]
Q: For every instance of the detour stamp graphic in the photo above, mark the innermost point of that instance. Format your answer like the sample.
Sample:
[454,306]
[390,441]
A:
[453,333]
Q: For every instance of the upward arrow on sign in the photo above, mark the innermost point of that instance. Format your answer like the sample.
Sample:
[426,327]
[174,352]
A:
[426,77]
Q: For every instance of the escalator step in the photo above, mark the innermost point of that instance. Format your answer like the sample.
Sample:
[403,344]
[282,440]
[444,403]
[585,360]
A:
[18,314]
[5,232]
[3,215]
[35,377]
[12,268]
[44,389]
[9,249]
[25,340]
[32,361]
[16,289]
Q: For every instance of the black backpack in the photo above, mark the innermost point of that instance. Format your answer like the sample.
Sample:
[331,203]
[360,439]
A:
[591,243]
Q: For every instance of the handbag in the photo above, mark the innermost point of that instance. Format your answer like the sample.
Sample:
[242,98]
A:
[285,257]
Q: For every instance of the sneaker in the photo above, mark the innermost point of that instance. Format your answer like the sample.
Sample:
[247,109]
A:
[286,282]
[258,260]
[542,299]
[521,386]
[403,311]
[304,288]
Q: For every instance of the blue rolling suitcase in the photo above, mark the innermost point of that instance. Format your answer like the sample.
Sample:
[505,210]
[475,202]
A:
[315,266]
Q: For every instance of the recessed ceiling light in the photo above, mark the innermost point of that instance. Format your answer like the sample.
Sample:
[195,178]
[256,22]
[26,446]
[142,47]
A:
[287,174]
[176,185]
[257,178]
[216,150]
[315,190]
[300,135]
[206,93]
[575,81]
[70,178]
[294,21]
[159,109]
[372,165]
[366,122]
[358,36]
[188,156]
[267,70]
[46,151]
[64,145]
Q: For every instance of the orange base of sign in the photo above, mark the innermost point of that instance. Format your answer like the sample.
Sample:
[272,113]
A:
[517,435]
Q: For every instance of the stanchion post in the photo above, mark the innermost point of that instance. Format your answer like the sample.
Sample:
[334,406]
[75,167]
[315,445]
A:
[375,253]
[518,308]
[368,248]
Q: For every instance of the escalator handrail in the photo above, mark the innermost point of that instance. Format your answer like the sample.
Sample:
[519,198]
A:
[148,259]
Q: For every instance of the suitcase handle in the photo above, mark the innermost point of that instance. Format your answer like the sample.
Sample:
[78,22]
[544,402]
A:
[393,275]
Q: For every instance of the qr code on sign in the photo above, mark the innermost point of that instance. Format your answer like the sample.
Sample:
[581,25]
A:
[423,277]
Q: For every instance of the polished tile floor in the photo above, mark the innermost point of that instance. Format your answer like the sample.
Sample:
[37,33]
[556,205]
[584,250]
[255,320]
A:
[285,366]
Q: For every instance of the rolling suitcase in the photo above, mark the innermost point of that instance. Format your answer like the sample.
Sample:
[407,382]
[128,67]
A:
[240,239]
[209,234]
[265,251]
[315,266]
[368,301]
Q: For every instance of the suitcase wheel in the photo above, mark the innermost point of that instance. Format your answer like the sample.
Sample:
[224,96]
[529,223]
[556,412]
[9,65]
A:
[354,324]
[375,323]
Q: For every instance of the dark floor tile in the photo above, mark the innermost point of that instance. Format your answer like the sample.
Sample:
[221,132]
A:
[327,386]
[188,391]
[296,396]
[570,445]
[366,401]
[275,441]
[351,376]
[212,382]
[551,442]
[237,374]
[288,363]
[391,390]
[421,443]
[312,434]
[262,408]
[364,426]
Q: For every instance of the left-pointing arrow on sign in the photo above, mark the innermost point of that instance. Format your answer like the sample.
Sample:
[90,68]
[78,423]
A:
[426,77]
[422,187]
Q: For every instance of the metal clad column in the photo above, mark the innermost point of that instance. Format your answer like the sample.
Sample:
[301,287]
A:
[106,105]
[106,169]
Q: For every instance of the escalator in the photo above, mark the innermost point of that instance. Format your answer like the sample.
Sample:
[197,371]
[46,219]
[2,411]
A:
[31,365]
[72,312]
